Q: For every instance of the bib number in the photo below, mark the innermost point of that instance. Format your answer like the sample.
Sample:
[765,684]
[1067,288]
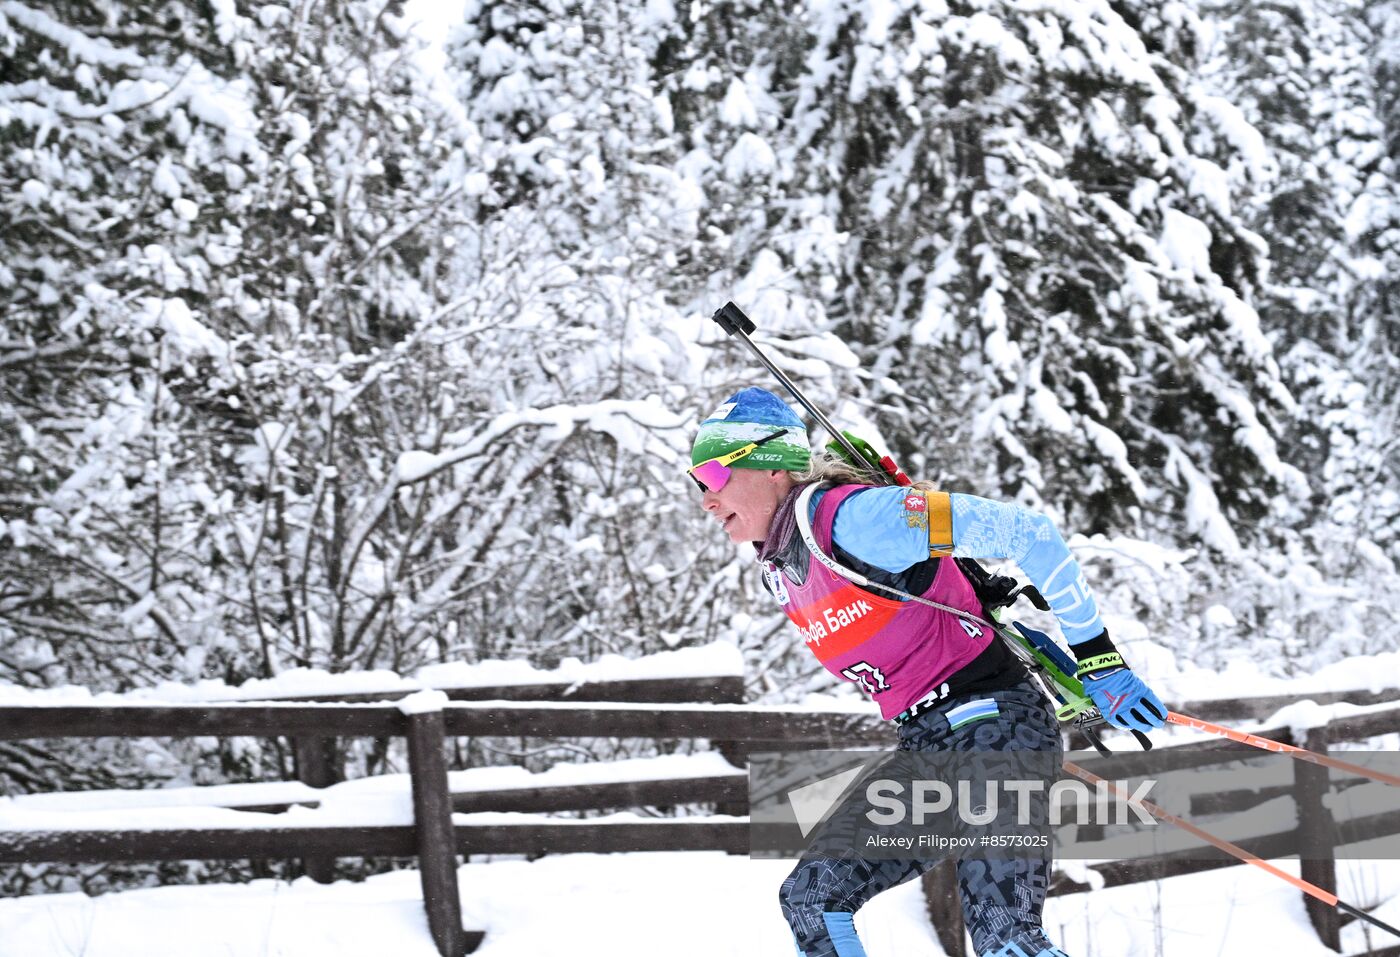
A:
[869,677]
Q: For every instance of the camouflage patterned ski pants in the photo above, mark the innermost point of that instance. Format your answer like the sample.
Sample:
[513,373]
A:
[1001,899]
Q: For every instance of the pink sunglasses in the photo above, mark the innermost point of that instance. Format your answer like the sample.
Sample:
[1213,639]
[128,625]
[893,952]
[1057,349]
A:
[712,474]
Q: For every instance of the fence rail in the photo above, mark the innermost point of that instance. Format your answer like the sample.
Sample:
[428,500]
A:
[715,689]
[463,719]
[226,844]
[646,708]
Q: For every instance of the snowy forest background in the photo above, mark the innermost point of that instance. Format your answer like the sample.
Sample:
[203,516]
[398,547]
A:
[332,342]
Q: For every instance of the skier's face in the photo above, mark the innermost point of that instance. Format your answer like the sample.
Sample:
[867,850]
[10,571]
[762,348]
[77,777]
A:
[745,506]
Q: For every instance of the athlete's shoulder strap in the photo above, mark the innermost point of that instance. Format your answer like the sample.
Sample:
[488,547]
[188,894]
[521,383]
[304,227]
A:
[804,528]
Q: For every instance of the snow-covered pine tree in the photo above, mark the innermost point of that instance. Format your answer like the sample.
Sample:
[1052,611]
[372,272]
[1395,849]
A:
[104,267]
[1324,197]
[231,259]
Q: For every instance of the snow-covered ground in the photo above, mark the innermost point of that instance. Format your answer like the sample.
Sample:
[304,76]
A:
[683,904]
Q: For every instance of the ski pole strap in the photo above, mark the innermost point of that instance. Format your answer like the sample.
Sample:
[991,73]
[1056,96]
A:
[1099,663]
[1096,654]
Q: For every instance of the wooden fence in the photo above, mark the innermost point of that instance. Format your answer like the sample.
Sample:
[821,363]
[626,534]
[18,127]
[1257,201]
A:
[569,711]
[432,838]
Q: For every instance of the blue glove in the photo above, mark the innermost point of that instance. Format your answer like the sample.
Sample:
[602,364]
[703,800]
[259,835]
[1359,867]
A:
[1122,697]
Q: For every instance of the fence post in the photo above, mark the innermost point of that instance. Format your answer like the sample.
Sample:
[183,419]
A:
[432,820]
[316,767]
[945,906]
[1317,839]
[731,691]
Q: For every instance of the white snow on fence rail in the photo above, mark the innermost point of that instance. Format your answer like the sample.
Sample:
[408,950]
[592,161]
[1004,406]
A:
[630,818]
[855,709]
[717,659]
[1373,673]
[1301,716]
[216,795]
[379,801]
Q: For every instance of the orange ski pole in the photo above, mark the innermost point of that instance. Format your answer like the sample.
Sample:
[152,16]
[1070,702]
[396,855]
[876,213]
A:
[1300,754]
[1234,850]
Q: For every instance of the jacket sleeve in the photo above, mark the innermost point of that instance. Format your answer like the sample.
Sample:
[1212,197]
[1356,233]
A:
[986,529]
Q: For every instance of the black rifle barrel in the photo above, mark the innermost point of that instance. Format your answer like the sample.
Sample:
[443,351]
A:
[732,320]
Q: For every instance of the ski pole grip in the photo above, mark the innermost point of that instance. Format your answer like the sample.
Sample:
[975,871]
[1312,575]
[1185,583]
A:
[732,319]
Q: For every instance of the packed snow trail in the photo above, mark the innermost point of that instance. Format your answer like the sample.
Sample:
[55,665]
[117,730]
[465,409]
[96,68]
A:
[689,904]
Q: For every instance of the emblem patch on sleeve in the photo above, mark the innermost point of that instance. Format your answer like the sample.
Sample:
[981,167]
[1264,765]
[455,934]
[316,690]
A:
[916,510]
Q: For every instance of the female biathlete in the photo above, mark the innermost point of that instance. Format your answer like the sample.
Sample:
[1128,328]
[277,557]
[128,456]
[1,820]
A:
[945,685]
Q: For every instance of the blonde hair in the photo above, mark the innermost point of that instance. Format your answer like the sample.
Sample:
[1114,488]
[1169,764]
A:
[831,470]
